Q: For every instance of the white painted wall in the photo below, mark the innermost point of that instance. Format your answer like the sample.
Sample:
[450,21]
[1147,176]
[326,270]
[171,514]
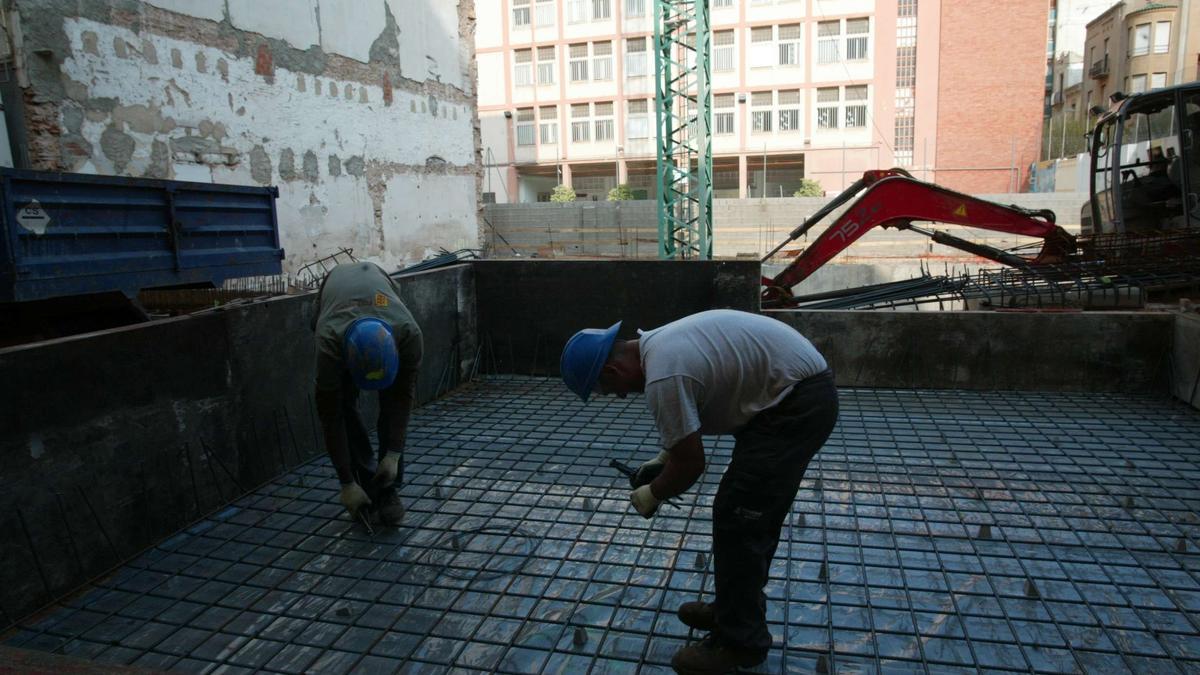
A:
[293,21]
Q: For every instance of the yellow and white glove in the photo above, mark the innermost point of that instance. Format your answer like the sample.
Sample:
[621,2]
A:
[644,501]
[388,468]
[648,471]
[353,498]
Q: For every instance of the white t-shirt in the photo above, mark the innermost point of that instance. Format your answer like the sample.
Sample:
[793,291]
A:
[715,370]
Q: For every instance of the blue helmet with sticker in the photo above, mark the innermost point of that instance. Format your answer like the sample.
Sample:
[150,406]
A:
[370,353]
[584,356]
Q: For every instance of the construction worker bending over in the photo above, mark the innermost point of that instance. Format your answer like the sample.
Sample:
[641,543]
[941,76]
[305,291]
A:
[366,340]
[720,372]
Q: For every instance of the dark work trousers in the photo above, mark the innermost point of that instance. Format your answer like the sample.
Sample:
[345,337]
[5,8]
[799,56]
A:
[754,498]
[363,458]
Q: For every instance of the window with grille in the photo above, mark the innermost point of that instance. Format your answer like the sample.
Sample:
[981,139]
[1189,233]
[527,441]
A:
[601,9]
[856,38]
[722,51]
[638,121]
[827,107]
[579,62]
[548,124]
[578,11]
[545,12]
[1139,40]
[603,121]
[1162,37]
[856,106]
[520,13]
[789,45]
[904,139]
[828,39]
[523,67]
[760,113]
[722,3]
[525,126]
[635,57]
[906,67]
[581,125]
[545,65]
[602,66]
[789,109]
[723,107]
[762,47]
[635,7]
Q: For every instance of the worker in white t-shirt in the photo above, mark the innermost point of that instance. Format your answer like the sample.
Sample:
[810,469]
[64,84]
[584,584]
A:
[720,372]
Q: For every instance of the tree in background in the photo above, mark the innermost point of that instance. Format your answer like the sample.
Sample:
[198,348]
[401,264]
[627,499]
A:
[621,193]
[563,193]
[809,188]
[1064,136]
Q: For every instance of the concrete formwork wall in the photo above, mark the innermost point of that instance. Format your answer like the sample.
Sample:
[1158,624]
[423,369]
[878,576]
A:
[1185,380]
[528,310]
[114,440]
[1109,351]
[361,111]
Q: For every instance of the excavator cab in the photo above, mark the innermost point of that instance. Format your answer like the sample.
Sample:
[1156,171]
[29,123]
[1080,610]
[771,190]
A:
[1145,154]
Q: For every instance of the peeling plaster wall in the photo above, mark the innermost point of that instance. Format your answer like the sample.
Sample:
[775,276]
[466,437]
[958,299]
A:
[361,111]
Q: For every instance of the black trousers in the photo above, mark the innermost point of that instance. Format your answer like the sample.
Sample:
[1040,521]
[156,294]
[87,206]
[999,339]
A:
[364,459]
[755,495]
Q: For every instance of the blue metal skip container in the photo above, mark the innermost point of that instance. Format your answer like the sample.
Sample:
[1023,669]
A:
[74,234]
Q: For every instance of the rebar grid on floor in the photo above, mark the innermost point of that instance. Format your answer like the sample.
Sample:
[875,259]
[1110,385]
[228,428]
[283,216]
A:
[944,531]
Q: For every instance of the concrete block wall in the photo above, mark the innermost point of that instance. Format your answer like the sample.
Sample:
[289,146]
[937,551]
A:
[362,111]
[113,440]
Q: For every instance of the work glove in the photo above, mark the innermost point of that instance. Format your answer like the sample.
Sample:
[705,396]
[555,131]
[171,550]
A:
[353,498]
[648,471]
[388,468]
[644,501]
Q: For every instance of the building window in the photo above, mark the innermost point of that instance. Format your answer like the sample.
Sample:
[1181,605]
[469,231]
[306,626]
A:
[579,62]
[520,13]
[1137,84]
[604,121]
[789,109]
[723,107]
[638,120]
[1139,40]
[1158,80]
[601,9]
[581,125]
[1162,37]
[602,61]
[635,57]
[635,7]
[546,12]
[523,67]
[545,65]
[525,126]
[856,106]
[829,35]
[856,38]
[577,11]
[762,47]
[789,45]
[548,124]
[760,112]
[827,107]
[722,3]
[723,54]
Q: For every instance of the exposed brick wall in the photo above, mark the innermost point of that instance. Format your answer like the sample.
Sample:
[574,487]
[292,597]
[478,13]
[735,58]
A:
[991,85]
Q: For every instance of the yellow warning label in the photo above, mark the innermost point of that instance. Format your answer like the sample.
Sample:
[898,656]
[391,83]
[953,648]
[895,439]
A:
[381,300]
[961,211]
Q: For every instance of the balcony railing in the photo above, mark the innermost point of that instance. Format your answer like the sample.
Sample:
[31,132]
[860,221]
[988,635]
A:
[1099,69]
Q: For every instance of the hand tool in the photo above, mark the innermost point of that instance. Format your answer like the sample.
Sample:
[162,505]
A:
[630,472]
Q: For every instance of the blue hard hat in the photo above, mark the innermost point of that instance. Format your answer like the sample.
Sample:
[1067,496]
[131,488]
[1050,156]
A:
[370,352]
[584,356]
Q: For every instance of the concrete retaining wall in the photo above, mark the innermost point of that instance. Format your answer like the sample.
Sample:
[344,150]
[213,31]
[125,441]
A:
[114,440]
[1185,380]
[528,310]
[1110,351]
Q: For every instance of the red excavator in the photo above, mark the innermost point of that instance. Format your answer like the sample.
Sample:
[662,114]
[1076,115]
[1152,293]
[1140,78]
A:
[1143,208]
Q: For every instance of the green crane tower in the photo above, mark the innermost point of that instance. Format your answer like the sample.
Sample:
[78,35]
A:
[682,98]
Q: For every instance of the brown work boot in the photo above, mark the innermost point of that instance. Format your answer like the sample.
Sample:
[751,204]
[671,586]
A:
[698,615]
[390,508]
[711,657]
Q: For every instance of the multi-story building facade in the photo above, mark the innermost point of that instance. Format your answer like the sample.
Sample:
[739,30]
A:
[817,89]
[1137,46]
